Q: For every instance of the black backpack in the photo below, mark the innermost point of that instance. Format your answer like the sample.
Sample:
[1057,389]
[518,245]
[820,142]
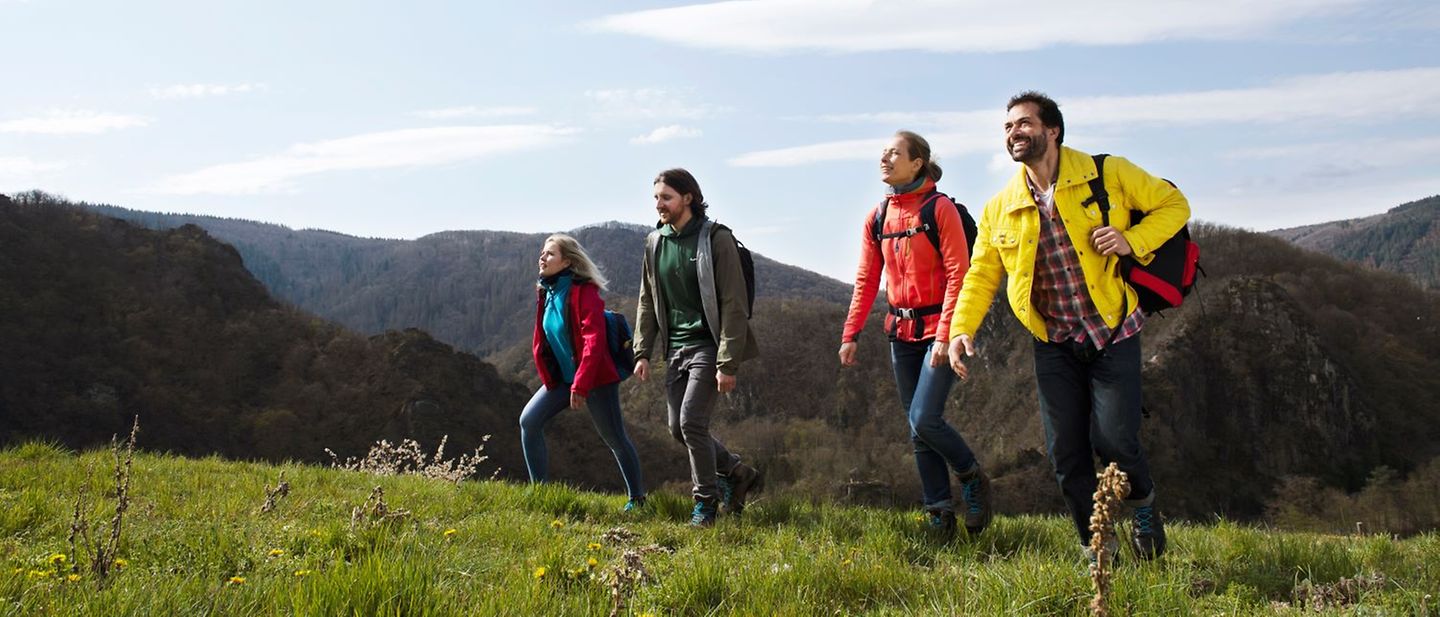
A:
[1170,276]
[931,229]
[928,226]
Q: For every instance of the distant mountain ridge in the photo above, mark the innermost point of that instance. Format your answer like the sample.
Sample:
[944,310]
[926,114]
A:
[1405,239]
[467,288]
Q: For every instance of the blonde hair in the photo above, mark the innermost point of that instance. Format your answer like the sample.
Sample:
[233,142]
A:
[583,268]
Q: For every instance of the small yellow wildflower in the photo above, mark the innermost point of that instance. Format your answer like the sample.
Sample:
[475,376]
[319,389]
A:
[237,580]
[304,572]
[57,559]
[73,578]
[450,532]
[39,574]
[19,571]
[847,563]
[592,563]
[276,552]
[593,546]
[556,524]
[540,572]
[122,563]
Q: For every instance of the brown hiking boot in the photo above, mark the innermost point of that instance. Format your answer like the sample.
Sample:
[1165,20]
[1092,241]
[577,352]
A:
[736,487]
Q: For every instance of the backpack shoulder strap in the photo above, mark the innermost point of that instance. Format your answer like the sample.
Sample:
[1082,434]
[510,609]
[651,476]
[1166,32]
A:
[928,221]
[877,222]
[1098,194]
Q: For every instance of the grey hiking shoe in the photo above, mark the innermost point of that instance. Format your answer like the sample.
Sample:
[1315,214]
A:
[975,490]
[1148,535]
[736,488]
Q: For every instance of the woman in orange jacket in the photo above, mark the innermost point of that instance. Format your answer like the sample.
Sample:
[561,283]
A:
[922,282]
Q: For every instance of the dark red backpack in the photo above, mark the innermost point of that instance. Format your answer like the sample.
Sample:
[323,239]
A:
[1169,277]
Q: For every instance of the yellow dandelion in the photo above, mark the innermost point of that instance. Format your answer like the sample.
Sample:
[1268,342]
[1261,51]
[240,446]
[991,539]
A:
[847,563]
[19,571]
[450,532]
[556,524]
[593,546]
[39,574]
[73,578]
[540,572]
[57,558]
[276,552]
[237,580]
[592,562]
[302,573]
[122,563]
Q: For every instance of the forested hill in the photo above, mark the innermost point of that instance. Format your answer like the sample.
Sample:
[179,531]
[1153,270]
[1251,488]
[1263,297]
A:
[104,320]
[1405,239]
[1288,374]
[470,289]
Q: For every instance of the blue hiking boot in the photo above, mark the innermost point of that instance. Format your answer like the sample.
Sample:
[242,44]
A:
[705,513]
[975,490]
[634,506]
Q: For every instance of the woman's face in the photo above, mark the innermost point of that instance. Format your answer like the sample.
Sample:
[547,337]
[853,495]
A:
[896,166]
[673,208]
[551,263]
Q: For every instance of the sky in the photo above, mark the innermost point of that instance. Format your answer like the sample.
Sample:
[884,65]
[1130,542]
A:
[397,120]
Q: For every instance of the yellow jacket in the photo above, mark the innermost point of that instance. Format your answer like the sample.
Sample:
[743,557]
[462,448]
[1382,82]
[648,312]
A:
[1009,230]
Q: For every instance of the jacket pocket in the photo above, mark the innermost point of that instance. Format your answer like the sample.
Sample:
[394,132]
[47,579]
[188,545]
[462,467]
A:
[1007,243]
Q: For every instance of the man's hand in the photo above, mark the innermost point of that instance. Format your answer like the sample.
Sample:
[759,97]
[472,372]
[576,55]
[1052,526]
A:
[847,353]
[961,346]
[724,383]
[576,401]
[1109,241]
[937,354]
[642,369]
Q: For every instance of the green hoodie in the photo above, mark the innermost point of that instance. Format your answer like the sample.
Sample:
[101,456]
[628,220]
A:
[680,285]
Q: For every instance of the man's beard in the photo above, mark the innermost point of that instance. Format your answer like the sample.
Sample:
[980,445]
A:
[1034,151]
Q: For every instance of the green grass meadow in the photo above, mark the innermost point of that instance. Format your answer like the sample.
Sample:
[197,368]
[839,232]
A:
[195,542]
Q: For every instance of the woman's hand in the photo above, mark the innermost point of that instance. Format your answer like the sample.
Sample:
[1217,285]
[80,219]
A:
[937,354]
[848,351]
[576,401]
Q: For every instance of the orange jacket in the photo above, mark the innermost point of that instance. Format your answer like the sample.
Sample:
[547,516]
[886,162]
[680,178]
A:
[916,275]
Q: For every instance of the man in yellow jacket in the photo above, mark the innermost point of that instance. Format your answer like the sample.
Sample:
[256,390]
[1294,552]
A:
[1045,232]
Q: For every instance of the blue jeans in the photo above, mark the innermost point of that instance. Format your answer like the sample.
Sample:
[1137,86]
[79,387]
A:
[1090,403]
[923,390]
[604,405]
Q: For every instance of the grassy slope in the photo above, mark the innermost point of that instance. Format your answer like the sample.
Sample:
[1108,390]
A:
[194,524]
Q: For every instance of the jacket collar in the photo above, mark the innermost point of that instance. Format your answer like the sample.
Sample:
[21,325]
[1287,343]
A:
[911,193]
[1076,167]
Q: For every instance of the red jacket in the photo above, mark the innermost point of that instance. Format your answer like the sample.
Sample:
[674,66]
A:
[592,351]
[916,275]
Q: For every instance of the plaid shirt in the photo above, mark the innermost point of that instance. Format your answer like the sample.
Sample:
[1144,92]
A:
[1059,290]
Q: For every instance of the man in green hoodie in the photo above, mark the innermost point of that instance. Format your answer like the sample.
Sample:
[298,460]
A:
[693,309]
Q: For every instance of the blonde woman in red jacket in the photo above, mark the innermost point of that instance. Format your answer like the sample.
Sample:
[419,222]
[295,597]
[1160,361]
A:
[922,281]
[573,358]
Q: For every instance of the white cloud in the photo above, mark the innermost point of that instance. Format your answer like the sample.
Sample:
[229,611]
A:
[1331,98]
[72,122]
[650,104]
[384,150]
[453,113]
[197,91]
[22,170]
[666,133]
[1369,152]
[975,26]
